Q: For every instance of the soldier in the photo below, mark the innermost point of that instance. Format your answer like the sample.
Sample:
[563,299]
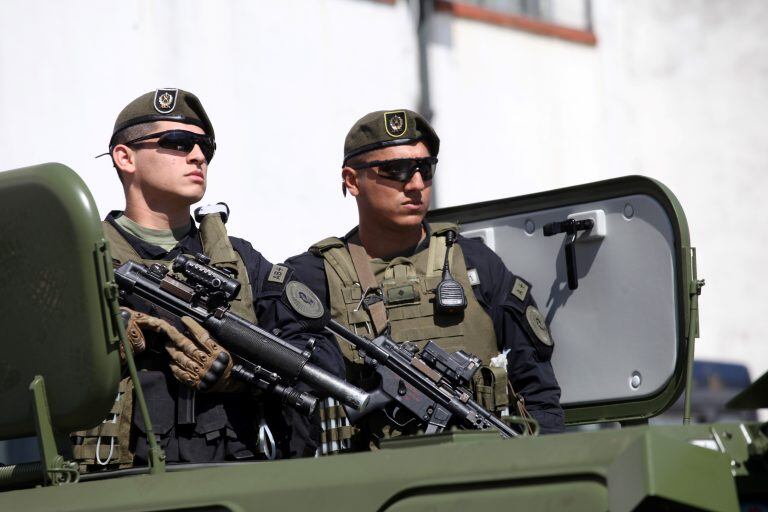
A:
[161,147]
[383,274]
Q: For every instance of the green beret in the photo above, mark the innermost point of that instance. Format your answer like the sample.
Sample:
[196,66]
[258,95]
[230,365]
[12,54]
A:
[163,105]
[386,128]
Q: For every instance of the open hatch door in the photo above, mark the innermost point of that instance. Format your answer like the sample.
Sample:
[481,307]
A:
[614,275]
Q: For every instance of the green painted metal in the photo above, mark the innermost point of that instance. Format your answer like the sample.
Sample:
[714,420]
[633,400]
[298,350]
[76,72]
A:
[754,397]
[611,469]
[656,468]
[54,310]
[692,333]
[56,470]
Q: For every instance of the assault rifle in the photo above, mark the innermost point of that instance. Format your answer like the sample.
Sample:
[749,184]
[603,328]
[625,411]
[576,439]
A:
[431,384]
[262,358]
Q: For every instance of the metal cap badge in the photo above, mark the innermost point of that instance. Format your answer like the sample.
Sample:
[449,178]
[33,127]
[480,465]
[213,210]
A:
[395,123]
[165,100]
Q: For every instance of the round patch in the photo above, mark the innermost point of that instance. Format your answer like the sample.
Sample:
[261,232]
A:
[538,325]
[303,300]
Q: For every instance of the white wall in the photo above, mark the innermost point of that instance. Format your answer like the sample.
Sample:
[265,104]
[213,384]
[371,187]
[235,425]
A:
[674,90]
[281,81]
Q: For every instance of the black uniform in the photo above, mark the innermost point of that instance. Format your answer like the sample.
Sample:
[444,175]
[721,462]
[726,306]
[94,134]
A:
[222,426]
[528,364]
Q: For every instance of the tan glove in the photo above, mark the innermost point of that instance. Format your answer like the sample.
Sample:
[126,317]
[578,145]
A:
[200,362]
[133,332]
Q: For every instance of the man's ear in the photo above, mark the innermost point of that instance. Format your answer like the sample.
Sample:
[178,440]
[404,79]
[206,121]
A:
[124,159]
[350,181]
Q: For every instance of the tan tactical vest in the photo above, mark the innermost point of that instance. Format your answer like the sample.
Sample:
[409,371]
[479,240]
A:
[407,285]
[107,444]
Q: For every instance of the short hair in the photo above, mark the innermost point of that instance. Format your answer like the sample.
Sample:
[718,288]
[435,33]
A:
[130,133]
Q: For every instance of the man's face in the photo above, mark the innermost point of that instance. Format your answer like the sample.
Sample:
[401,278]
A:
[388,202]
[168,174]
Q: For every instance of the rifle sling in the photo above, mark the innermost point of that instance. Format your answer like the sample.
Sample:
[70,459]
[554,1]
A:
[368,282]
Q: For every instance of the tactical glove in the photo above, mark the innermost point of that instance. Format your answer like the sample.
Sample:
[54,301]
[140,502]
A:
[132,332]
[199,362]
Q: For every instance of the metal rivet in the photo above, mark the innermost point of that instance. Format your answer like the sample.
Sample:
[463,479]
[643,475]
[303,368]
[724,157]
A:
[629,211]
[530,226]
[635,380]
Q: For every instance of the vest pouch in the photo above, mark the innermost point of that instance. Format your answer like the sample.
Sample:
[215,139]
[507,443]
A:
[491,388]
[352,294]
[403,291]
[210,421]
[107,445]
[160,404]
[424,329]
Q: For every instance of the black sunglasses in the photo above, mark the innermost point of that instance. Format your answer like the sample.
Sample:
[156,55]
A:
[180,140]
[402,169]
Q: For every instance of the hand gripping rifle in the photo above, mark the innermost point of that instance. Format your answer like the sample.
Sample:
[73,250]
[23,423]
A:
[262,358]
[432,384]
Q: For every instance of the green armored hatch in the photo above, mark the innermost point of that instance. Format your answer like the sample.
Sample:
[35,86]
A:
[61,366]
[620,297]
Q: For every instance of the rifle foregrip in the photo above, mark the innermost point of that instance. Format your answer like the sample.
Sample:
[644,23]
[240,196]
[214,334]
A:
[240,337]
[244,339]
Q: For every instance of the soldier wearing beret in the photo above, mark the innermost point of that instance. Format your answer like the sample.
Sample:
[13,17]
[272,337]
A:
[392,262]
[161,147]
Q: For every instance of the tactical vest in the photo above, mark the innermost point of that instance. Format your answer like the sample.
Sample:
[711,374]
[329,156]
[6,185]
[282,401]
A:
[407,286]
[107,445]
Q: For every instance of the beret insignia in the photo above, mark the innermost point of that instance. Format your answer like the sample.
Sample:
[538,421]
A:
[395,123]
[165,100]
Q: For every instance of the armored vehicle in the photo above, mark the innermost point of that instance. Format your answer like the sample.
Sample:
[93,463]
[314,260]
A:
[615,276]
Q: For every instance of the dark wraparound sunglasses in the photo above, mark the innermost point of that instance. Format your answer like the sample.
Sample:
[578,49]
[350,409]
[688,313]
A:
[179,140]
[402,169]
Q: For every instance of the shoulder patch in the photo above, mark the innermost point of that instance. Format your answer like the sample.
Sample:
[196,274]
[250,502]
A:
[537,324]
[520,289]
[277,274]
[474,278]
[303,300]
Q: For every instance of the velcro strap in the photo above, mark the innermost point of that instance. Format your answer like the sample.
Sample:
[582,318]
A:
[117,406]
[368,282]
[337,434]
[87,452]
[332,413]
[103,430]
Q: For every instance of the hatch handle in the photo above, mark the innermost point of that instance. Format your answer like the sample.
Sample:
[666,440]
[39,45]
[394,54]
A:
[570,227]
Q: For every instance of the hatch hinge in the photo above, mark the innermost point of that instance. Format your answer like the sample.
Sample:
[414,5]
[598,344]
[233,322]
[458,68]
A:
[109,291]
[692,329]
[694,290]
